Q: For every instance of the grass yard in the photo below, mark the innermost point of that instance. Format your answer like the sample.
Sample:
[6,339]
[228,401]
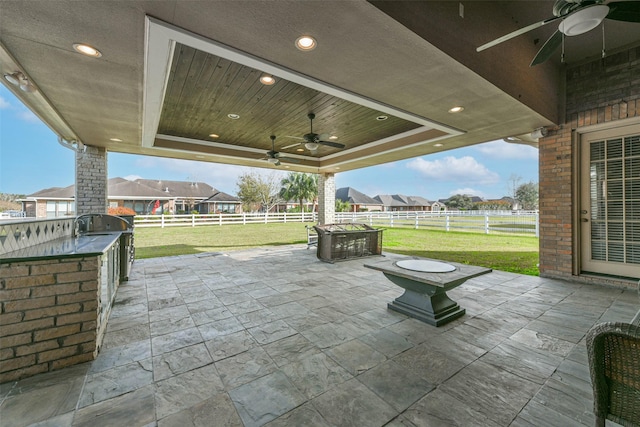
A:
[517,254]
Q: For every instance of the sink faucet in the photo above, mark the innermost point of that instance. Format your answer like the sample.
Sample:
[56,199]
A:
[79,226]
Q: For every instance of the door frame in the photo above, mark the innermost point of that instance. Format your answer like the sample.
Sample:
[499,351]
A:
[577,183]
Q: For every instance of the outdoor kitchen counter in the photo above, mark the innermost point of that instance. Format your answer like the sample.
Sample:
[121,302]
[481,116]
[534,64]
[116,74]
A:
[64,247]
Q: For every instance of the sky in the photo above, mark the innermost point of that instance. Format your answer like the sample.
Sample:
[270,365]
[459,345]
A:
[31,159]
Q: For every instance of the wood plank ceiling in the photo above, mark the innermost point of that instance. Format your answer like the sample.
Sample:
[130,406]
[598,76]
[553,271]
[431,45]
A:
[203,89]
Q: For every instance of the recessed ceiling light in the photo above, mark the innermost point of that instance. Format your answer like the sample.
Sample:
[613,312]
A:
[306,43]
[87,50]
[115,139]
[233,116]
[267,79]
[381,118]
[300,149]
[214,135]
[199,157]
[337,167]
[438,145]
[456,109]
[333,137]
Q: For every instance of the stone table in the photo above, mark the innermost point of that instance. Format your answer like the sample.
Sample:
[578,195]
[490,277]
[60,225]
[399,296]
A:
[426,283]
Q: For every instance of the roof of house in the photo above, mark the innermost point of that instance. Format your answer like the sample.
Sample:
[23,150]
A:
[120,188]
[402,200]
[182,189]
[221,196]
[348,194]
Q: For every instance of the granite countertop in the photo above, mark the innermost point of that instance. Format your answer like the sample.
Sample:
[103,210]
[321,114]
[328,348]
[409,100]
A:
[73,247]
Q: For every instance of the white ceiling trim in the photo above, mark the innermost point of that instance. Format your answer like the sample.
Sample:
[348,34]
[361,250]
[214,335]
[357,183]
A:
[160,42]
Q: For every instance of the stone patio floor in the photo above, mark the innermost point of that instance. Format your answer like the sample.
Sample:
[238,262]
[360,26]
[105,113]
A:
[272,336]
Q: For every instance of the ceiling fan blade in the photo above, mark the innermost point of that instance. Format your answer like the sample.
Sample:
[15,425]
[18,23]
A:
[516,33]
[331,144]
[547,49]
[291,146]
[628,11]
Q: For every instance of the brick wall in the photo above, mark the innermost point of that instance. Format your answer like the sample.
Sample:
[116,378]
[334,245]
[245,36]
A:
[597,92]
[91,180]
[326,198]
[49,314]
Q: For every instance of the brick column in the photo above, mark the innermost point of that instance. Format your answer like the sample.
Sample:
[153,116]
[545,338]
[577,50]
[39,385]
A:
[326,198]
[91,180]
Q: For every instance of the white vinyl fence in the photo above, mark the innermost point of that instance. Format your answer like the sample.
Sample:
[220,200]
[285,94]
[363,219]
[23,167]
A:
[519,222]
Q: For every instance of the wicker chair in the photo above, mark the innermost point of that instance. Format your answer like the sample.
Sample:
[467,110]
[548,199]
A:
[614,362]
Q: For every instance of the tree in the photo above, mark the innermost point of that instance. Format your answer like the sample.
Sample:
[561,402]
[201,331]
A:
[258,192]
[342,206]
[300,186]
[512,185]
[460,201]
[527,195]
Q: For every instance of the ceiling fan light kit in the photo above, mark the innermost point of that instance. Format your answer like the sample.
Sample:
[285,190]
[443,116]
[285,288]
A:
[583,20]
[577,17]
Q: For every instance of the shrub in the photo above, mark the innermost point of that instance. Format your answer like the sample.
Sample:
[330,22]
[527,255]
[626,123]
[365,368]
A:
[121,210]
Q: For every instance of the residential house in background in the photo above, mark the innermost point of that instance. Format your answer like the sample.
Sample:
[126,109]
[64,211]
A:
[400,202]
[144,196]
[359,202]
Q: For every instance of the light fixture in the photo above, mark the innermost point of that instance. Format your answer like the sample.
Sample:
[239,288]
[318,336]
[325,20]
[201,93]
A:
[300,149]
[583,20]
[456,109]
[267,79]
[20,80]
[214,135]
[539,133]
[438,145]
[272,160]
[115,139]
[87,50]
[306,43]
[382,118]
[199,157]
[233,116]
[311,146]
[333,137]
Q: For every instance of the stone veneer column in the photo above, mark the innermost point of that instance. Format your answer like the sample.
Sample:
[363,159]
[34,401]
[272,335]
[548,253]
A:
[91,180]
[326,198]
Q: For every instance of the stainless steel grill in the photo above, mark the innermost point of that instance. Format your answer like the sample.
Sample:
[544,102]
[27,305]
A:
[102,224]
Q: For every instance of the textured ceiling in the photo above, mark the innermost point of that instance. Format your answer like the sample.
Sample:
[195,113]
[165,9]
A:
[158,88]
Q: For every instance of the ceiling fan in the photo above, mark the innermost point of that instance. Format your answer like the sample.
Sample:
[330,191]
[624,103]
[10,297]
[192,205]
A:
[577,17]
[313,140]
[274,157]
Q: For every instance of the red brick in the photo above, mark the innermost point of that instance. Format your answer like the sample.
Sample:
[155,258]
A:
[90,305]
[59,353]
[14,340]
[51,333]
[61,267]
[23,373]
[75,318]
[89,326]
[51,311]
[77,297]
[17,363]
[7,319]
[15,294]
[83,337]
[74,360]
[6,353]
[13,270]
[45,291]
[17,328]
[28,304]
[27,281]
[78,276]
[37,347]
[90,286]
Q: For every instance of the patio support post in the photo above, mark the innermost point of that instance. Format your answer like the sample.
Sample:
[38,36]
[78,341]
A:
[326,198]
[91,180]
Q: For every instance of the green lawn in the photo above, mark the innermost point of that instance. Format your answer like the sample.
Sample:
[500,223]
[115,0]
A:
[518,254]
